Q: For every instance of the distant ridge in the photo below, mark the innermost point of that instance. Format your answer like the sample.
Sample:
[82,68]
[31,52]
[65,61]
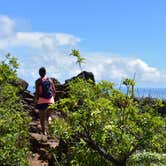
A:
[149,92]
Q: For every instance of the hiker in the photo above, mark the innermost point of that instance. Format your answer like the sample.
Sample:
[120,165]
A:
[44,96]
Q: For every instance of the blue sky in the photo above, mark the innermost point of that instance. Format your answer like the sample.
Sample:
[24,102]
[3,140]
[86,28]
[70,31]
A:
[118,38]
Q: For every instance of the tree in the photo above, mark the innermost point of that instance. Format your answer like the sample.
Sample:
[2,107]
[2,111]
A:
[104,126]
[80,59]
[129,83]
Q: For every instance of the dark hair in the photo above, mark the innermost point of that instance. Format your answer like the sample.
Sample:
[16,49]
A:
[42,71]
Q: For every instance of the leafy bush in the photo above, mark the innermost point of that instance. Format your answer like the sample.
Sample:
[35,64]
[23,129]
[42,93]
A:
[148,159]
[103,125]
[13,121]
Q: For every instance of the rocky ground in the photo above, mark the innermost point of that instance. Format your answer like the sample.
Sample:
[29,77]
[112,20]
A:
[41,145]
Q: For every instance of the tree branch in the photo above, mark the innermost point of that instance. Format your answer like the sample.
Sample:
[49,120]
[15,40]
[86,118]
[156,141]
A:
[92,144]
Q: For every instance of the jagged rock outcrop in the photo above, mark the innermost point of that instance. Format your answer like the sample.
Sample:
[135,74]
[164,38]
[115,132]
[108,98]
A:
[20,82]
[60,89]
[23,84]
[85,75]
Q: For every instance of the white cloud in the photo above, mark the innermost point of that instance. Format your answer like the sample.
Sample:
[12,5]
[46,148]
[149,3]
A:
[116,68]
[36,49]
[39,40]
[7,26]
[9,37]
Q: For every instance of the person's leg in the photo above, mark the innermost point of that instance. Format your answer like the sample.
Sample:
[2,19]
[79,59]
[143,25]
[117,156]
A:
[36,114]
[42,116]
[49,116]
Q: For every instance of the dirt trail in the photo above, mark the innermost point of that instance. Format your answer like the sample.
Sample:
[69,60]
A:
[41,147]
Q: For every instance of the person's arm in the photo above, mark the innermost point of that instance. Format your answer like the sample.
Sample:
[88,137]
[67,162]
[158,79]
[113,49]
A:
[36,91]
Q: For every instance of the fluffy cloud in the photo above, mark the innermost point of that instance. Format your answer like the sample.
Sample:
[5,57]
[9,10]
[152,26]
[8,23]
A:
[36,49]
[39,40]
[11,38]
[7,26]
[116,68]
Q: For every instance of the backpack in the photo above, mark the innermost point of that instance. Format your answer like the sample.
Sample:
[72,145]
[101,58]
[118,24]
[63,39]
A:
[46,89]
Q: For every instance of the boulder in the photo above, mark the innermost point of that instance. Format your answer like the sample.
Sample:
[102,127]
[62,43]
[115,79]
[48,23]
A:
[55,81]
[85,75]
[22,83]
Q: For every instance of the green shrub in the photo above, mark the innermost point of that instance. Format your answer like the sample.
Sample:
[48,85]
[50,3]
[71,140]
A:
[103,125]
[13,121]
[148,159]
